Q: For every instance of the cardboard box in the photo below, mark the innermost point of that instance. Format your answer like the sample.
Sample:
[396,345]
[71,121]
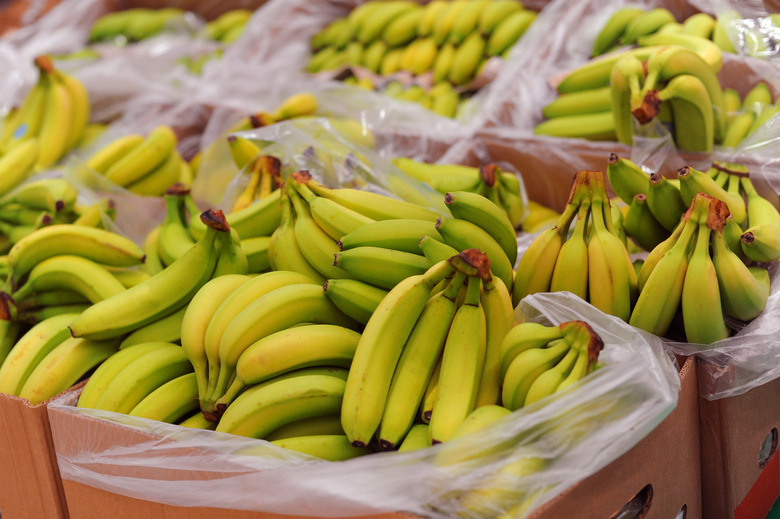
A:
[30,484]
[740,468]
[662,470]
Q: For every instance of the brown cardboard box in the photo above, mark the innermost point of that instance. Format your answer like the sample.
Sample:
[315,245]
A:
[739,480]
[666,461]
[30,485]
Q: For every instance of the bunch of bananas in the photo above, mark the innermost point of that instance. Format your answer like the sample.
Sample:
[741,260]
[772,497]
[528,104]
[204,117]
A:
[446,41]
[132,25]
[745,116]
[145,166]
[229,26]
[50,122]
[502,188]
[265,171]
[537,361]
[656,205]
[695,270]
[442,98]
[627,24]
[592,262]
[671,76]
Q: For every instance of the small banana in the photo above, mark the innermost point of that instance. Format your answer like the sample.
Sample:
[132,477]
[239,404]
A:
[508,31]
[626,178]
[467,57]
[417,438]
[499,316]
[330,447]
[354,298]
[665,202]
[761,240]
[166,329]
[402,29]
[16,165]
[646,23]
[487,215]
[284,252]
[170,402]
[526,368]
[693,181]
[400,235]
[743,290]
[145,157]
[571,266]
[642,226]
[611,32]
[384,268]
[580,103]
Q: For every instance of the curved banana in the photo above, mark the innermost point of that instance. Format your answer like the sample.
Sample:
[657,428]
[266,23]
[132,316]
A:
[79,98]
[761,241]
[314,426]
[56,120]
[701,46]
[55,195]
[333,218]
[291,349]
[330,447]
[626,178]
[30,350]
[508,31]
[743,290]
[580,103]
[170,402]
[436,251]
[693,181]
[284,252]
[64,366]
[74,273]
[548,382]
[525,336]
[166,329]
[594,126]
[699,24]
[626,81]
[16,165]
[665,202]
[596,72]
[499,316]
[354,298]
[261,218]
[158,296]
[491,218]
[401,235]
[646,23]
[145,157]
[173,239]
[642,226]
[415,366]
[526,368]
[610,34]
[417,438]
[157,181]
[571,266]
[384,268]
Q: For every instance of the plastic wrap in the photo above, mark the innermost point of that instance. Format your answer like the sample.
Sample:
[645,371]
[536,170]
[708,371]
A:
[332,157]
[577,432]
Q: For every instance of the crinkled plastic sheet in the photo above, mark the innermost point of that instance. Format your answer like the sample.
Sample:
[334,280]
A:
[577,432]
[120,74]
[332,157]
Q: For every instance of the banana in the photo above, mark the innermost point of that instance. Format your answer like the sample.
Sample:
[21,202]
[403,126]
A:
[757,98]
[701,306]
[701,46]
[74,273]
[610,34]
[525,336]
[424,56]
[55,195]
[108,370]
[400,235]
[663,279]
[314,426]
[693,114]
[220,314]
[129,277]
[509,31]
[415,366]
[217,28]
[25,121]
[733,103]
[737,129]
[265,408]
[626,178]
[166,329]
[487,215]
[9,333]
[232,259]
[80,108]
[284,252]
[373,55]
[595,127]
[51,298]
[288,350]
[535,268]
[665,202]
[596,72]
[320,59]
[381,16]
[145,157]
[16,165]
[30,350]
[673,61]
[64,366]
[495,13]
[479,419]
[354,298]
[198,421]
[277,310]
[499,316]
[333,447]
[646,23]
[378,352]
[467,57]
[391,62]
[333,218]
[743,291]
[152,262]
[402,29]
[761,241]
[526,367]
[442,27]
[157,181]
[56,120]
[548,382]
[699,24]
[426,406]
[442,177]
[571,266]
[580,103]
[197,318]
[626,81]
[431,12]
[642,226]
[443,63]
[381,267]
[467,21]
[463,235]
[463,361]
[417,438]
[693,181]
[141,377]
[316,246]
[95,244]
[436,251]
[158,296]
[170,402]
[611,277]
[373,205]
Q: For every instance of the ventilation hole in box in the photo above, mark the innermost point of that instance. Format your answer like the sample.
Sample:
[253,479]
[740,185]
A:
[683,512]
[768,448]
[639,505]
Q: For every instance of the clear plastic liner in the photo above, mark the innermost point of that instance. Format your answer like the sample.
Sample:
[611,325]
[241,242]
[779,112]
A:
[333,158]
[569,437]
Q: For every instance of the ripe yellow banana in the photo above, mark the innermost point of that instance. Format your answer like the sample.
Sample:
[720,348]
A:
[610,33]
[354,298]
[16,165]
[384,268]
[284,253]
[402,234]
[170,402]
[571,266]
[330,447]
[145,157]
[499,316]
[166,328]
[526,368]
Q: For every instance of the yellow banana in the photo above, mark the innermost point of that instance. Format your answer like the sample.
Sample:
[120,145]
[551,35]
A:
[171,401]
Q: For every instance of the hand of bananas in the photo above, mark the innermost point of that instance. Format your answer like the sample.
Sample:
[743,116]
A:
[447,42]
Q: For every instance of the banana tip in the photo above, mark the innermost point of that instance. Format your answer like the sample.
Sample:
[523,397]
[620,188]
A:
[178,189]
[385,445]
[359,444]
[302,177]
[748,238]
[613,158]
[488,173]
[215,219]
